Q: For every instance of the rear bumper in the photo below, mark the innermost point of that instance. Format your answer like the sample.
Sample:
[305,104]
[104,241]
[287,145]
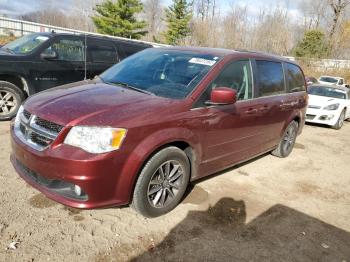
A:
[98,175]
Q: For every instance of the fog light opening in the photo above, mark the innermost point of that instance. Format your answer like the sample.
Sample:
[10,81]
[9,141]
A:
[78,191]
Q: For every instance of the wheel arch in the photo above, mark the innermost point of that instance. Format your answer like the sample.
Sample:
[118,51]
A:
[140,155]
[18,81]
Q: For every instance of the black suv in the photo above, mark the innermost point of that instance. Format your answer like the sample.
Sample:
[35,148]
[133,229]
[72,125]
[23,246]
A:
[40,61]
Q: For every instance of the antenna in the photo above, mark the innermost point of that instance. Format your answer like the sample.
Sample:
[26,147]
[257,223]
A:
[85,53]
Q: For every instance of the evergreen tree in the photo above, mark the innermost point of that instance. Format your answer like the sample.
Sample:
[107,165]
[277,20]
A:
[178,17]
[313,45]
[117,18]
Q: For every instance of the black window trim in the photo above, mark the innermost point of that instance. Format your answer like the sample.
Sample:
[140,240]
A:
[250,60]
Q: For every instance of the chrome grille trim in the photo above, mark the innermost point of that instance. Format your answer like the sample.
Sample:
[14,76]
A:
[33,135]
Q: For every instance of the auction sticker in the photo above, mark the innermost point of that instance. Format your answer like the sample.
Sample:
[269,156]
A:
[202,61]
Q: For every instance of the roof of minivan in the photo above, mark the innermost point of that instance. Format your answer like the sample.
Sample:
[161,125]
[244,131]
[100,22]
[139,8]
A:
[224,52]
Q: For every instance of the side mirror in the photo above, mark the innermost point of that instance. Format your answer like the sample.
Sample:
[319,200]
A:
[348,86]
[49,54]
[222,96]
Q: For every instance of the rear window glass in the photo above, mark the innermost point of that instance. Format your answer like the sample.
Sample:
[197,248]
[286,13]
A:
[270,78]
[295,78]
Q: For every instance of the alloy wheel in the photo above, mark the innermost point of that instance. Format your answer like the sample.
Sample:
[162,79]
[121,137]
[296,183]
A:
[165,184]
[289,139]
[8,102]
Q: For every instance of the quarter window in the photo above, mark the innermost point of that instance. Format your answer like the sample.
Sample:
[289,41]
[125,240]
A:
[270,77]
[68,50]
[295,78]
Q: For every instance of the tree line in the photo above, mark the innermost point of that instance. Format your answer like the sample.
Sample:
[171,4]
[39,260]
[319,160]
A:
[319,28]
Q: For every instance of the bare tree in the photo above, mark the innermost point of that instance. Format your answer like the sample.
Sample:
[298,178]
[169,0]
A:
[338,7]
[153,13]
[205,9]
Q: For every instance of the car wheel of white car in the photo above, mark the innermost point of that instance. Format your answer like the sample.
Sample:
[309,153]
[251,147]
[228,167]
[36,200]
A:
[340,121]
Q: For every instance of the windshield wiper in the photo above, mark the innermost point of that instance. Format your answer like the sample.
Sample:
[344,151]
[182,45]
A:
[131,87]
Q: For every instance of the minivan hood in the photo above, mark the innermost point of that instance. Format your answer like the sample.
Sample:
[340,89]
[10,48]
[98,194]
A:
[95,103]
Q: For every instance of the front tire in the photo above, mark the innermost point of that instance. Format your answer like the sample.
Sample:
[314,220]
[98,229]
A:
[11,98]
[162,182]
[286,145]
[340,121]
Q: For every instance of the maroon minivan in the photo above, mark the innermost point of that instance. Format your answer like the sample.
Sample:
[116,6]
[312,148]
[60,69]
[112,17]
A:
[144,129]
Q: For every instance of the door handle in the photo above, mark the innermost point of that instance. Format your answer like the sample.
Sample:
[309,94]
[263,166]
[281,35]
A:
[251,111]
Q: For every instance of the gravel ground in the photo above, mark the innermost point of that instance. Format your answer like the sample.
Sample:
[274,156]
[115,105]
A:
[270,209]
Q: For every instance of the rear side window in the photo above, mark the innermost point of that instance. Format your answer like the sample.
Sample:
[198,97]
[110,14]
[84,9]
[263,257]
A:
[295,78]
[130,49]
[103,52]
[270,77]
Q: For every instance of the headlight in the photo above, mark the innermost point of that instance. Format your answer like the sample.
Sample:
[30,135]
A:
[331,107]
[96,140]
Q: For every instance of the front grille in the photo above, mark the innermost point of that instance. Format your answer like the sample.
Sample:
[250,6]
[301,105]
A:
[310,117]
[22,128]
[36,132]
[26,114]
[40,140]
[48,125]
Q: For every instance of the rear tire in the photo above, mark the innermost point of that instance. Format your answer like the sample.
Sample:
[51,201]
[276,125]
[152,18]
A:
[285,147]
[11,98]
[162,182]
[340,121]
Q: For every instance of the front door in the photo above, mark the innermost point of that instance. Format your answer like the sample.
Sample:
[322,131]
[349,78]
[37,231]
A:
[67,67]
[232,132]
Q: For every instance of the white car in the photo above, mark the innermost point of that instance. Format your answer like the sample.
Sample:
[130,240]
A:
[332,80]
[329,105]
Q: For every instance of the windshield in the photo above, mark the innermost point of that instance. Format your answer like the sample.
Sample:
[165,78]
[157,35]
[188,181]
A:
[25,44]
[326,91]
[329,79]
[166,73]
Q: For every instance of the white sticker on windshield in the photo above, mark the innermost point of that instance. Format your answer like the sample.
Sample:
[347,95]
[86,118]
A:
[202,61]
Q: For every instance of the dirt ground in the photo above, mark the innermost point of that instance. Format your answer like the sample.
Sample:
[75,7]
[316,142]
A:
[270,209]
